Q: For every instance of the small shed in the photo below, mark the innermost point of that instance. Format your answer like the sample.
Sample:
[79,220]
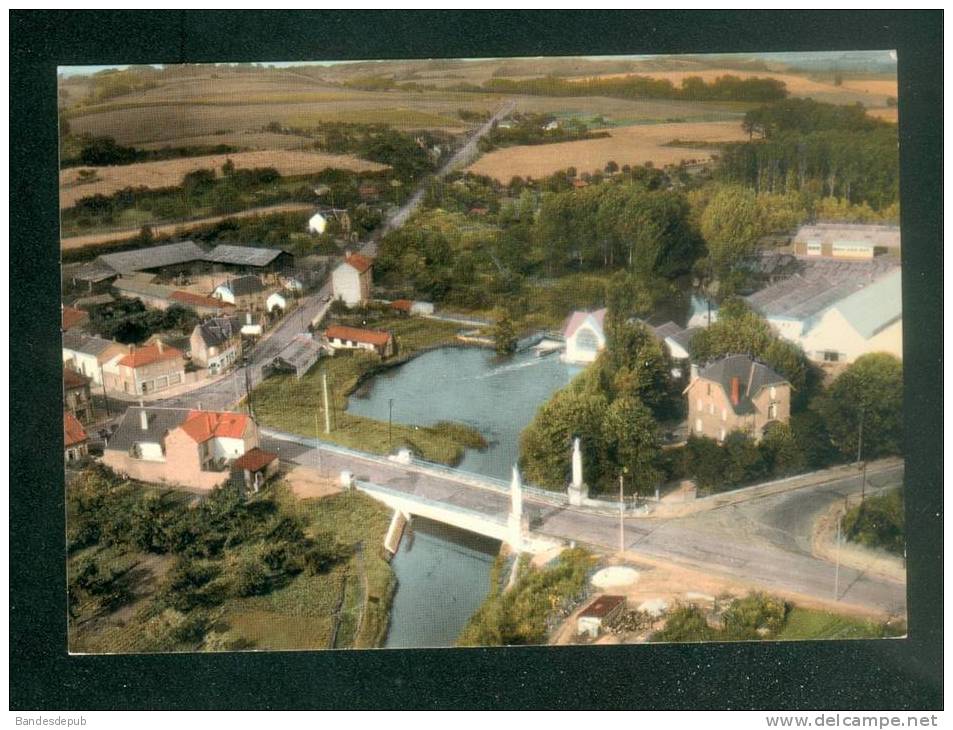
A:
[254,468]
[605,607]
[298,356]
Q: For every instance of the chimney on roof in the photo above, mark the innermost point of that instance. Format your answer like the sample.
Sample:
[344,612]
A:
[144,419]
[735,390]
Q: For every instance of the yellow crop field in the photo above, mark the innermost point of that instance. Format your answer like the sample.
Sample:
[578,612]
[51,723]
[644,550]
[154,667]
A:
[632,145]
[168,173]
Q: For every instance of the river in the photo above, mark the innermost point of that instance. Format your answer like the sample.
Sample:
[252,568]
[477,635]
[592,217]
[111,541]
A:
[443,575]
[497,396]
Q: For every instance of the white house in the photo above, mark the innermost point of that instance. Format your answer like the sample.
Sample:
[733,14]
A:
[317,224]
[585,336]
[351,280]
[276,300]
[90,355]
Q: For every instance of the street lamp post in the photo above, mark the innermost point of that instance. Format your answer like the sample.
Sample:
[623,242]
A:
[860,446]
[390,423]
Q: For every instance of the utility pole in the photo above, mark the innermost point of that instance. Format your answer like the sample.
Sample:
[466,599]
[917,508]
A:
[327,413]
[837,565]
[105,396]
[621,519]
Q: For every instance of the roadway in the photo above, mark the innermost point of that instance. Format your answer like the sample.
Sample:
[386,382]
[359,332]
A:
[764,541]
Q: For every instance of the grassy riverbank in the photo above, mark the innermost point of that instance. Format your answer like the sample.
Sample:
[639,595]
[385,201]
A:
[296,406]
[156,570]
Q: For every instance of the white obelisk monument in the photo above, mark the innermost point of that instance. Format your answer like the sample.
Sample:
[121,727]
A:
[578,491]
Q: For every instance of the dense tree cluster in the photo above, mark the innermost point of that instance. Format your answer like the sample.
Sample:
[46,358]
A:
[101,151]
[531,129]
[878,522]
[130,322]
[410,156]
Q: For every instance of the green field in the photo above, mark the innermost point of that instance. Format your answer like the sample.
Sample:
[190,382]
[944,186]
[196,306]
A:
[804,624]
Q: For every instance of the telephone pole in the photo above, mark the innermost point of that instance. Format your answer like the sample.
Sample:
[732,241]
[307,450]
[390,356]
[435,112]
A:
[327,412]
[860,446]
[837,564]
[621,519]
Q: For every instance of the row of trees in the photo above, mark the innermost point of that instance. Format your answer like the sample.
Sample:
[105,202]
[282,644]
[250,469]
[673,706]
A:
[692,88]
[101,151]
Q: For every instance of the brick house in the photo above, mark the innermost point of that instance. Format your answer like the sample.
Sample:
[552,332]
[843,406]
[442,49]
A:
[147,369]
[351,281]
[737,393]
[77,395]
[180,446]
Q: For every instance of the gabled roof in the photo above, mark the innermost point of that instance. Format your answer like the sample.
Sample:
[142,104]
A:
[73,317]
[153,257]
[159,421]
[669,329]
[378,338]
[359,262]
[243,285]
[218,331]
[73,431]
[204,425]
[577,319]
[684,337]
[243,255]
[94,272]
[874,307]
[86,344]
[254,460]
[134,287]
[149,354]
[73,379]
[752,376]
[188,299]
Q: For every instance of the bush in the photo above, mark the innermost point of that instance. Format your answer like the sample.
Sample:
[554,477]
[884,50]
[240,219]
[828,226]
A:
[756,616]
[878,522]
[686,623]
[252,579]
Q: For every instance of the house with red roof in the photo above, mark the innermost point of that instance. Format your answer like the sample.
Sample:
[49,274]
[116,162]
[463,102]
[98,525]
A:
[340,337]
[254,468]
[75,441]
[77,394]
[351,280]
[148,369]
[180,446]
[74,318]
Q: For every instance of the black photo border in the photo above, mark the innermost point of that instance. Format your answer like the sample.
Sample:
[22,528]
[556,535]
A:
[854,675]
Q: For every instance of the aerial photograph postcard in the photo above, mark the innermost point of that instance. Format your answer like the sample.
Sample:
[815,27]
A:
[588,350]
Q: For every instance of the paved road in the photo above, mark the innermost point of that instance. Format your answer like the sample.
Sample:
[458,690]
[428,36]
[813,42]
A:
[765,541]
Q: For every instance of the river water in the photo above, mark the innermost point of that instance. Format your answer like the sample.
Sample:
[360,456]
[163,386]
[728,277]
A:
[497,396]
[443,575]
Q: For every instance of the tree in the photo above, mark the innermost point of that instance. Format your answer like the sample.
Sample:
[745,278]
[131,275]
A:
[631,436]
[869,390]
[228,167]
[731,225]
[612,167]
[504,335]
[780,451]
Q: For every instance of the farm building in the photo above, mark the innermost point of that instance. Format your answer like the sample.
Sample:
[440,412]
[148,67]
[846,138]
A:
[249,259]
[351,280]
[846,240]
[585,336]
[246,292]
[153,296]
[172,258]
[354,338]
[201,305]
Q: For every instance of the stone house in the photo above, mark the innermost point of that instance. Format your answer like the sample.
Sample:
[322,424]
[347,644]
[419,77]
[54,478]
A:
[147,369]
[75,441]
[180,446]
[245,292]
[216,343]
[737,393]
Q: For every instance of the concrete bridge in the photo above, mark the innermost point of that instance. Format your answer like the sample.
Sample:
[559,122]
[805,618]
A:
[765,541]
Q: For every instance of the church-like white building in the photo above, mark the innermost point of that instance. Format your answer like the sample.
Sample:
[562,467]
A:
[585,336]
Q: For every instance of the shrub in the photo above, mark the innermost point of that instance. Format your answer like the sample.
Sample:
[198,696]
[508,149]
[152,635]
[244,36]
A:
[878,523]
[755,616]
[686,623]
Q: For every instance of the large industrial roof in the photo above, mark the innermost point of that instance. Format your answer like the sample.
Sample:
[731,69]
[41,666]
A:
[874,307]
[242,255]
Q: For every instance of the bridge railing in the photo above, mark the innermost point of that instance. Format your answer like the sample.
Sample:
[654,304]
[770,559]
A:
[436,504]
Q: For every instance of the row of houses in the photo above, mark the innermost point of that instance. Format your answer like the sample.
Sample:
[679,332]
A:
[243,292]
